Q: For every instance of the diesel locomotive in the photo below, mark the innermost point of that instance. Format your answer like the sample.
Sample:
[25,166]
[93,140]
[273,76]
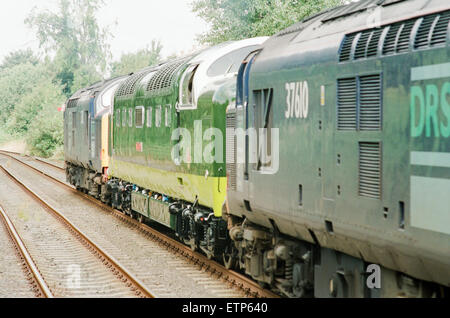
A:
[306,160]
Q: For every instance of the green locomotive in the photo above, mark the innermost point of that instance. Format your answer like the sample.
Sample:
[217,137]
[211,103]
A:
[154,110]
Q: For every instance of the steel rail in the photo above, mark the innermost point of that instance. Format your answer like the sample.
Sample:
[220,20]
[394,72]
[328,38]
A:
[34,158]
[244,283]
[48,163]
[17,240]
[139,287]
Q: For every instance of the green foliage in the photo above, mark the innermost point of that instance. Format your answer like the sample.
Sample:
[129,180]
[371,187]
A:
[240,19]
[45,96]
[85,76]
[15,83]
[46,132]
[136,61]
[5,136]
[19,57]
[32,90]
[73,36]
[28,104]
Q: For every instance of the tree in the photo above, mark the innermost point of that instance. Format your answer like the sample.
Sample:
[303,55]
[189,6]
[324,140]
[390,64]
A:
[46,134]
[136,61]
[44,97]
[240,19]
[29,99]
[72,35]
[15,83]
[19,57]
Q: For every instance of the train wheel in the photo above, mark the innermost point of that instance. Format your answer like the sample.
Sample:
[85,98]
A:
[229,259]
[191,243]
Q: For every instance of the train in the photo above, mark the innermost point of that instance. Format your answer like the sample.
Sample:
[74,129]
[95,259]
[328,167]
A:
[316,161]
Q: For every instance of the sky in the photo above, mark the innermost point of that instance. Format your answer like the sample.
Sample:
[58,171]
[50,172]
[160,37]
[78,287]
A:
[138,22]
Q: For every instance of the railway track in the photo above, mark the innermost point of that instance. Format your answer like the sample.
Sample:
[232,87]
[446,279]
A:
[59,167]
[32,274]
[64,254]
[238,281]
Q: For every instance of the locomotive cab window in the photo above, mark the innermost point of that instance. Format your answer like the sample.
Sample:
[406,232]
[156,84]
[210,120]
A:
[242,99]
[243,79]
[139,117]
[149,116]
[264,120]
[187,88]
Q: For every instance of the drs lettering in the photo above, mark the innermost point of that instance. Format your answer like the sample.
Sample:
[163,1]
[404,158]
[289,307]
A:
[430,111]
[297,100]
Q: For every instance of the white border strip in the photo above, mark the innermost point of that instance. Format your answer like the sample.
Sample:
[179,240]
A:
[434,159]
[430,72]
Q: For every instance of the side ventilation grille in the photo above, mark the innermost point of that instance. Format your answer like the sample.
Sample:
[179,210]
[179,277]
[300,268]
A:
[72,103]
[370,103]
[231,151]
[433,30]
[129,86]
[372,49]
[370,169]
[346,48]
[391,37]
[347,100]
[423,34]
[359,103]
[163,81]
[440,30]
[361,46]
[404,37]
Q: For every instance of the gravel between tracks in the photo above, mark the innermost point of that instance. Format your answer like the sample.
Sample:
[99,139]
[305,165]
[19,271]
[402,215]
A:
[166,274]
[69,268]
[13,282]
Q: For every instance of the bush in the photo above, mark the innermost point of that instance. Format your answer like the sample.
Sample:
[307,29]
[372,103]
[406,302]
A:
[45,95]
[46,133]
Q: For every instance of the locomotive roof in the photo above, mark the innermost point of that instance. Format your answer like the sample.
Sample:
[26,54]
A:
[356,15]
[320,36]
[96,87]
[159,80]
